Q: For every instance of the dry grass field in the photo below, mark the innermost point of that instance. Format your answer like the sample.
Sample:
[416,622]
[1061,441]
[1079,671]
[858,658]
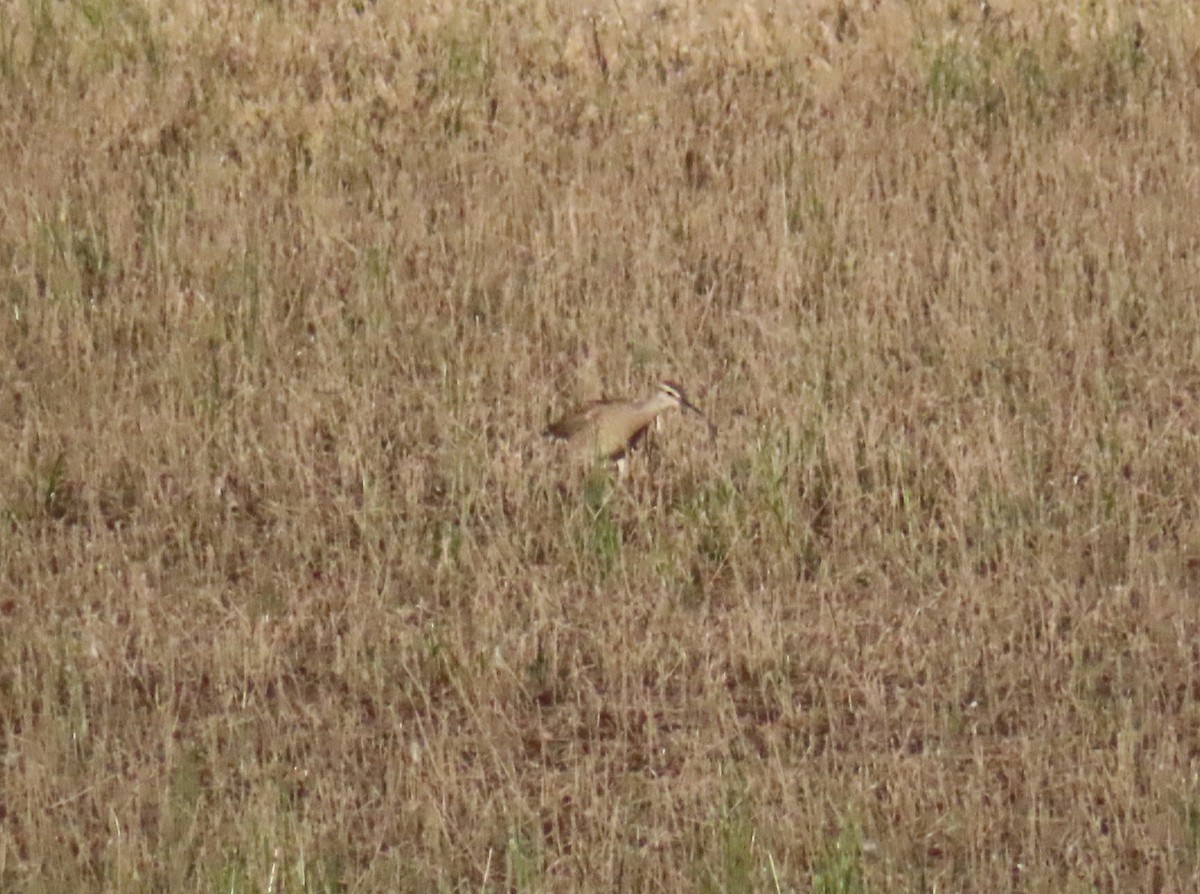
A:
[293,598]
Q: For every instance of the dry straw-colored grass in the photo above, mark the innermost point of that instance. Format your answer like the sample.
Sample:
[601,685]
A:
[293,599]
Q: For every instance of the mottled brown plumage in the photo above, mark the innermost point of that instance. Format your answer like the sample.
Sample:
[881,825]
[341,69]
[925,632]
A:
[608,429]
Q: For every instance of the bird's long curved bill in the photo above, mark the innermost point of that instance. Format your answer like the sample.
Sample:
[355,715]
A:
[688,405]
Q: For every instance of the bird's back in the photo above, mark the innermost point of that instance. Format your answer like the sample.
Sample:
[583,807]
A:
[576,421]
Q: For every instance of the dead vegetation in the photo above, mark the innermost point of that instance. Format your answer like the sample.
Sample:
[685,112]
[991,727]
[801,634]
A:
[291,599]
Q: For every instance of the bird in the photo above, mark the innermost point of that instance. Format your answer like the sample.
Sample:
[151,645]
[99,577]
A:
[609,429]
